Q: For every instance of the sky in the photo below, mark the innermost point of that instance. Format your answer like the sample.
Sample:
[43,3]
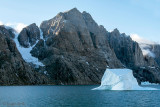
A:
[133,17]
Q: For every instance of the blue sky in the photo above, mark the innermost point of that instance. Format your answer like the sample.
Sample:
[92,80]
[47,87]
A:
[140,17]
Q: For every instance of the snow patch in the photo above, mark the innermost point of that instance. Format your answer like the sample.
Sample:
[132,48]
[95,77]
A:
[25,52]
[41,34]
[87,63]
[152,67]
[45,72]
[143,67]
[64,21]
[120,79]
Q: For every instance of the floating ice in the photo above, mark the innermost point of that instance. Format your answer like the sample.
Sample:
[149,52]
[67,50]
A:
[120,79]
[148,83]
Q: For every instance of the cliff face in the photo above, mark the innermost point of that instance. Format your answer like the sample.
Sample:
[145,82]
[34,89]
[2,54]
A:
[126,50]
[129,51]
[156,50]
[13,69]
[130,54]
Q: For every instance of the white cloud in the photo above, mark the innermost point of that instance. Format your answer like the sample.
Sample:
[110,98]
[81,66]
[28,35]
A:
[148,52]
[17,26]
[139,39]
[1,23]
[144,44]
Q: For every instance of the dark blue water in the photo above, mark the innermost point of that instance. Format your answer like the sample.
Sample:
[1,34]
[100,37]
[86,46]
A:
[74,96]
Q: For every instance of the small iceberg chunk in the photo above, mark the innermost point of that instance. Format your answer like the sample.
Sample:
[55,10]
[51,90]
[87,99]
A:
[148,83]
[120,79]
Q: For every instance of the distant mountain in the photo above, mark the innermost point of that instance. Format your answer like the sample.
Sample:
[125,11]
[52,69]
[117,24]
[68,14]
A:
[133,55]
[72,49]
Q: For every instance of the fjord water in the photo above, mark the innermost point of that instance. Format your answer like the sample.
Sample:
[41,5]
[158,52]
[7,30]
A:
[75,96]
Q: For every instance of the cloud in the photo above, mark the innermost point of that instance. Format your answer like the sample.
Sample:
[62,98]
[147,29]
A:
[144,44]
[17,26]
[139,39]
[147,52]
[1,23]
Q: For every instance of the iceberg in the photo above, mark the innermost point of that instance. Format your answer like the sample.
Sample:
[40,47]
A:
[120,79]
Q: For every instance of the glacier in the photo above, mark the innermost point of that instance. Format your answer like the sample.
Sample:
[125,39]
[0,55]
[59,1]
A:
[120,79]
[25,52]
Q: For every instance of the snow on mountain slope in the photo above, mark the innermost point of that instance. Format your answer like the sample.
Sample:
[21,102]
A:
[25,52]
[119,79]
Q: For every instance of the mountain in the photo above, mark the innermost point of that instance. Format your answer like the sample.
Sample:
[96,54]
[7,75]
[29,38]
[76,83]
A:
[72,49]
[152,50]
[130,54]
[156,50]
[29,35]
[13,69]
[126,50]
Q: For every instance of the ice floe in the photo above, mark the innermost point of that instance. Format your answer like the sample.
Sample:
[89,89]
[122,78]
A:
[120,79]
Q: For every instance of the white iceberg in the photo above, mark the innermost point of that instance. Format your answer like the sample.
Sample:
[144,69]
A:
[120,79]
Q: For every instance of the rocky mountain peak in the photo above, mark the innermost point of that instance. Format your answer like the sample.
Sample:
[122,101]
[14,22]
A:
[74,43]
[8,31]
[75,17]
[87,15]
[115,32]
[33,25]
[66,21]
[29,35]
[73,11]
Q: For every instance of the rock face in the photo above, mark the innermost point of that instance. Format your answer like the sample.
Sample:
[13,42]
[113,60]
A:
[150,74]
[130,54]
[127,51]
[75,49]
[29,35]
[156,50]
[13,69]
